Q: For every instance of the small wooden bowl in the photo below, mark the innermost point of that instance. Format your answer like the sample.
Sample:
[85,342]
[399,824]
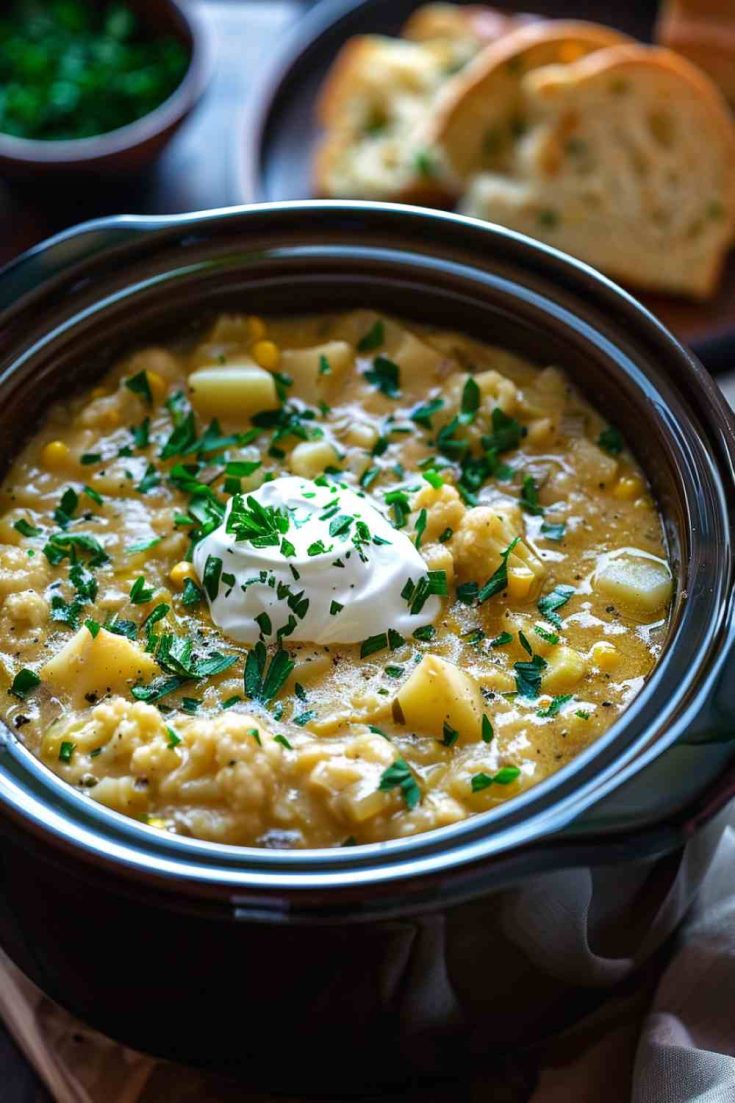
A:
[128,148]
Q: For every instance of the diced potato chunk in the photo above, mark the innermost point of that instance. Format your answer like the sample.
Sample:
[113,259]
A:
[566,669]
[105,663]
[439,693]
[233,392]
[639,584]
[317,369]
[311,457]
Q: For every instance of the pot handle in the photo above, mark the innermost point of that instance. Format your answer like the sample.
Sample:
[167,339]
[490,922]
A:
[60,254]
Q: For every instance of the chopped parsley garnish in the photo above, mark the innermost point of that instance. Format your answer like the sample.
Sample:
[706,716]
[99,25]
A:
[25,528]
[529,497]
[433,478]
[150,480]
[525,644]
[398,500]
[557,703]
[304,717]
[501,640]
[24,682]
[550,637]
[450,735]
[549,603]
[416,594]
[385,375]
[191,594]
[373,644]
[158,612]
[487,729]
[582,714]
[504,776]
[528,676]
[140,594]
[87,459]
[172,738]
[373,339]
[141,433]
[425,633]
[553,530]
[66,750]
[93,494]
[61,546]
[497,581]
[66,508]
[399,776]
[324,366]
[144,545]
[334,608]
[470,397]
[92,627]
[283,741]
[507,433]
[420,527]
[264,680]
[262,526]
[140,385]
[610,440]
[423,414]
[394,671]
[211,576]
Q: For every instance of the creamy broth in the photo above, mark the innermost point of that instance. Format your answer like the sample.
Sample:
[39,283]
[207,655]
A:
[537,612]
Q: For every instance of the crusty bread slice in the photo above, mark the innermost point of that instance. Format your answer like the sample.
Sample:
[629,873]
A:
[704,32]
[480,114]
[374,109]
[628,163]
[376,105]
[468,27]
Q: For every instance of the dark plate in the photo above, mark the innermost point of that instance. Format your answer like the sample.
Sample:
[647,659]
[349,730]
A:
[281,130]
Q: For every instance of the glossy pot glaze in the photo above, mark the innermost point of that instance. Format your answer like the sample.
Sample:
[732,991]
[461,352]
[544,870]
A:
[370,966]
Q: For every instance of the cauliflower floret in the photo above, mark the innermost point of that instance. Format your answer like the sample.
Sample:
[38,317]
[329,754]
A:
[26,608]
[19,571]
[444,509]
[348,776]
[481,539]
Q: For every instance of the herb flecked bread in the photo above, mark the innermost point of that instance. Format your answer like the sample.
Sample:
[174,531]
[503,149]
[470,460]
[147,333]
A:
[627,162]
[376,104]
[482,114]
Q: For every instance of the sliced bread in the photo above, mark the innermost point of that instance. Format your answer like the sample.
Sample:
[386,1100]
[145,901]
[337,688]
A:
[628,162]
[376,105]
[481,114]
[374,109]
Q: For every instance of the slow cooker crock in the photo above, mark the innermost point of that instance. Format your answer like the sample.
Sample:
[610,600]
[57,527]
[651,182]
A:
[354,969]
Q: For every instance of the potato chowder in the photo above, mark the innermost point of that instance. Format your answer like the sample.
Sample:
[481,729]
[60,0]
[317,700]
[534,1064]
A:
[323,581]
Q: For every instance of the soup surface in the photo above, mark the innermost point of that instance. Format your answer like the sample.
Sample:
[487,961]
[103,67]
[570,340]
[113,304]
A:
[323,581]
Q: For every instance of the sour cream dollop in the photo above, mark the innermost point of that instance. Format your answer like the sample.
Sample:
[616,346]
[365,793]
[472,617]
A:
[318,561]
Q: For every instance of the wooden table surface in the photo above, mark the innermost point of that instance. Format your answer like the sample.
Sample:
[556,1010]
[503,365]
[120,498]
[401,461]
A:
[195,172]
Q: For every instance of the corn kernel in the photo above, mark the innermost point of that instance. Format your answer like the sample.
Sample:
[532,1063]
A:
[55,454]
[520,583]
[181,571]
[266,354]
[256,328]
[605,655]
[627,488]
[157,385]
[158,822]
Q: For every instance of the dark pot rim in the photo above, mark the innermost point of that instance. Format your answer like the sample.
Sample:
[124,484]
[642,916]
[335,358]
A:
[78,153]
[551,818]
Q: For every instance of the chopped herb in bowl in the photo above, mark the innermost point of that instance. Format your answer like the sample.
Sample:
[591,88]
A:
[70,69]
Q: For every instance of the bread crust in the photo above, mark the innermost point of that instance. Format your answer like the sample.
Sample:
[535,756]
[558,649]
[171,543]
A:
[490,87]
[681,238]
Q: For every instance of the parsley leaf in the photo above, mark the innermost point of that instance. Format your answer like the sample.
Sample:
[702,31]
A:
[399,776]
